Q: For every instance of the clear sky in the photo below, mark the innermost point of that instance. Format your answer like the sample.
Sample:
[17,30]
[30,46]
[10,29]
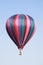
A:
[32,53]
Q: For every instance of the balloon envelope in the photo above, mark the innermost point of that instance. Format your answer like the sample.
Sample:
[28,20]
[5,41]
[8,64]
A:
[20,28]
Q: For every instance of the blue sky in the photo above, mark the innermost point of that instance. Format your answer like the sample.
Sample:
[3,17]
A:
[32,54]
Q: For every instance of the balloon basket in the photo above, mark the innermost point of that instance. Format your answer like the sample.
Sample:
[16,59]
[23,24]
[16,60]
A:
[20,53]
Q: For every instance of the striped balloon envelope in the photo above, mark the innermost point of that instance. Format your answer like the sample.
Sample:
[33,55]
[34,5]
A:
[20,28]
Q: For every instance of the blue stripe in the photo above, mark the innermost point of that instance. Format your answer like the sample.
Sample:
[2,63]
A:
[20,28]
[11,29]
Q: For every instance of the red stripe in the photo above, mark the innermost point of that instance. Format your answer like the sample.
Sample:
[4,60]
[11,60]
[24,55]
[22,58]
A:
[15,28]
[27,28]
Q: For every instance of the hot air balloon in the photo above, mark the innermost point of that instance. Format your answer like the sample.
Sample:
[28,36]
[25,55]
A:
[20,28]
